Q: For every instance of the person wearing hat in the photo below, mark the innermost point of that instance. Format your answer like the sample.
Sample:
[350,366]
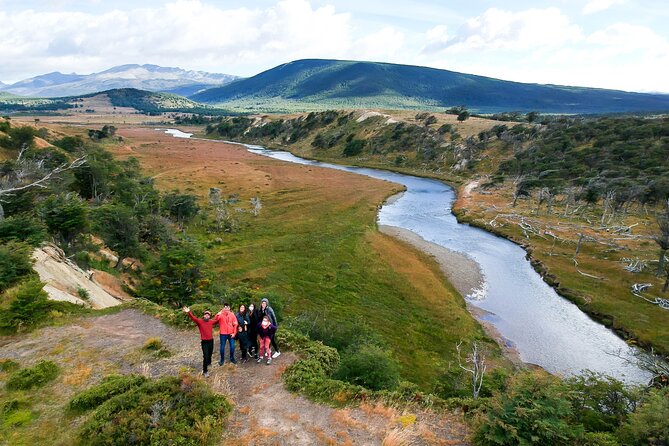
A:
[206,326]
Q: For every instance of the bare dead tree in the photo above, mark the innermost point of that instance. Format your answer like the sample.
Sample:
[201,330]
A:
[27,174]
[656,365]
[256,206]
[475,365]
[662,238]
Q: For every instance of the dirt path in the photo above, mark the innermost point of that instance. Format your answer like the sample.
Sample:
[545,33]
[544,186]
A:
[264,412]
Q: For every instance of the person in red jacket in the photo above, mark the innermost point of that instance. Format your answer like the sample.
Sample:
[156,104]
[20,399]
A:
[227,324]
[206,326]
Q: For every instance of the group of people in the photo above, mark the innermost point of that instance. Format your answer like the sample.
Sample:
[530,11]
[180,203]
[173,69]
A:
[254,328]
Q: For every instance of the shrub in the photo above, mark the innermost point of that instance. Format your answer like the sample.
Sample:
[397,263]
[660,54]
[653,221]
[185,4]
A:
[354,147]
[31,377]
[648,425]
[22,228]
[29,303]
[15,263]
[162,411]
[600,403]
[369,366]
[535,409]
[109,387]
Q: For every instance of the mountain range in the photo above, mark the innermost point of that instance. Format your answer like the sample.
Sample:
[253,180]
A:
[322,84]
[319,84]
[143,77]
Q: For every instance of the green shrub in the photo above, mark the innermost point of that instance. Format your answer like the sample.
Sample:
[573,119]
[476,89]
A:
[648,425]
[15,263]
[109,387]
[601,403]
[163,411]
[27,306]
[535,409]
[369,366]
[22,228]
[32,377]
[600,439]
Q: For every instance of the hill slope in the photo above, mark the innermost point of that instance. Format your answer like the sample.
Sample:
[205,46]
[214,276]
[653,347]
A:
[144,77]
[315,83]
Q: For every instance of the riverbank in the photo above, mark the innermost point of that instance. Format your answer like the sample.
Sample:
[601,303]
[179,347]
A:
[466,277]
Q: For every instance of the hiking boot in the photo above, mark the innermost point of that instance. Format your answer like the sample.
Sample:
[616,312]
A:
[269,361]
[206,374]
[258,360]
[276,354]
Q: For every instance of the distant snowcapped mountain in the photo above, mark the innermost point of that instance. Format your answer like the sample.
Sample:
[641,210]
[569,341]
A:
[143,77]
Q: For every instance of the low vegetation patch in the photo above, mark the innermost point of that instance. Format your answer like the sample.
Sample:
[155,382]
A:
[171,410]
[110,386]
[156,347]
[33,377]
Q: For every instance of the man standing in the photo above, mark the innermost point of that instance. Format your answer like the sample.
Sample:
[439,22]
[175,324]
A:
[206,326]
[266,310]
[227,324]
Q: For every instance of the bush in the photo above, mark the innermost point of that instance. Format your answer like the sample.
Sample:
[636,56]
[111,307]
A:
[7,365]
[22,228]
[369,366]
[66,215]
[354,147]
[535,409]
[31,377]
[28,305]
[170,410]
[110,386]
[648,425]
[15,263]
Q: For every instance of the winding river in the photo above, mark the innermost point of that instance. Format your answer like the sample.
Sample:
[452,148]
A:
[545,329]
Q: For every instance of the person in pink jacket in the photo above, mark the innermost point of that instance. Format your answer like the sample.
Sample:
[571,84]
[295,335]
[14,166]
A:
[266,331]
[227,323]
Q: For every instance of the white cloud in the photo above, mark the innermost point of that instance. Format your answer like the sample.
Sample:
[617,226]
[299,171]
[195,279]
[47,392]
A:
[190,33]
[383,45]
[496,29]
[594,6]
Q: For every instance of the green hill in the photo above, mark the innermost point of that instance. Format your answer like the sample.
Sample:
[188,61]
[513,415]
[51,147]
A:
[319,84]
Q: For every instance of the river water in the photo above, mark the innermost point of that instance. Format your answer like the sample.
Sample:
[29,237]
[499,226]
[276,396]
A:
[545,329]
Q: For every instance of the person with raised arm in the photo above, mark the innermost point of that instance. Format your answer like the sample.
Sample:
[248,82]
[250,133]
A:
[206,326]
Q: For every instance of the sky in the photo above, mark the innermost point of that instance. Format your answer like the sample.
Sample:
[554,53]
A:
[619,44]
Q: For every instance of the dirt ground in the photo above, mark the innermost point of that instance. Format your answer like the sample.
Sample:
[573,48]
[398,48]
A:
[265,413]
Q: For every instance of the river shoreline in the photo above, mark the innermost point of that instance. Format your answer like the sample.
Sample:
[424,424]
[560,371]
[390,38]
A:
[466,277]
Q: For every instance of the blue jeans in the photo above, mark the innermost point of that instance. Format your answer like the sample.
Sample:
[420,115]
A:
[229,338]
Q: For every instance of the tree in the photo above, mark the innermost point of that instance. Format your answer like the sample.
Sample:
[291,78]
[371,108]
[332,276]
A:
[648,425]
[15,263]
[181,207]
[176,277]
[354,147]
[463,115]
[535,410]
[475,366]
[66,216]
[23,174]
[118,227]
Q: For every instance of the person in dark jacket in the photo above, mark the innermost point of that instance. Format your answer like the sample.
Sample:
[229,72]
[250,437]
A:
[206,326]
[244,343]
[266,331]
[266,310]
[254,320]
[243,317]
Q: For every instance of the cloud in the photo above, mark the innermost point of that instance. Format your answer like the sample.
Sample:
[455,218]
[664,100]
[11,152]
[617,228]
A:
[190,33]
[383,45]
[497,29]
[594,6]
